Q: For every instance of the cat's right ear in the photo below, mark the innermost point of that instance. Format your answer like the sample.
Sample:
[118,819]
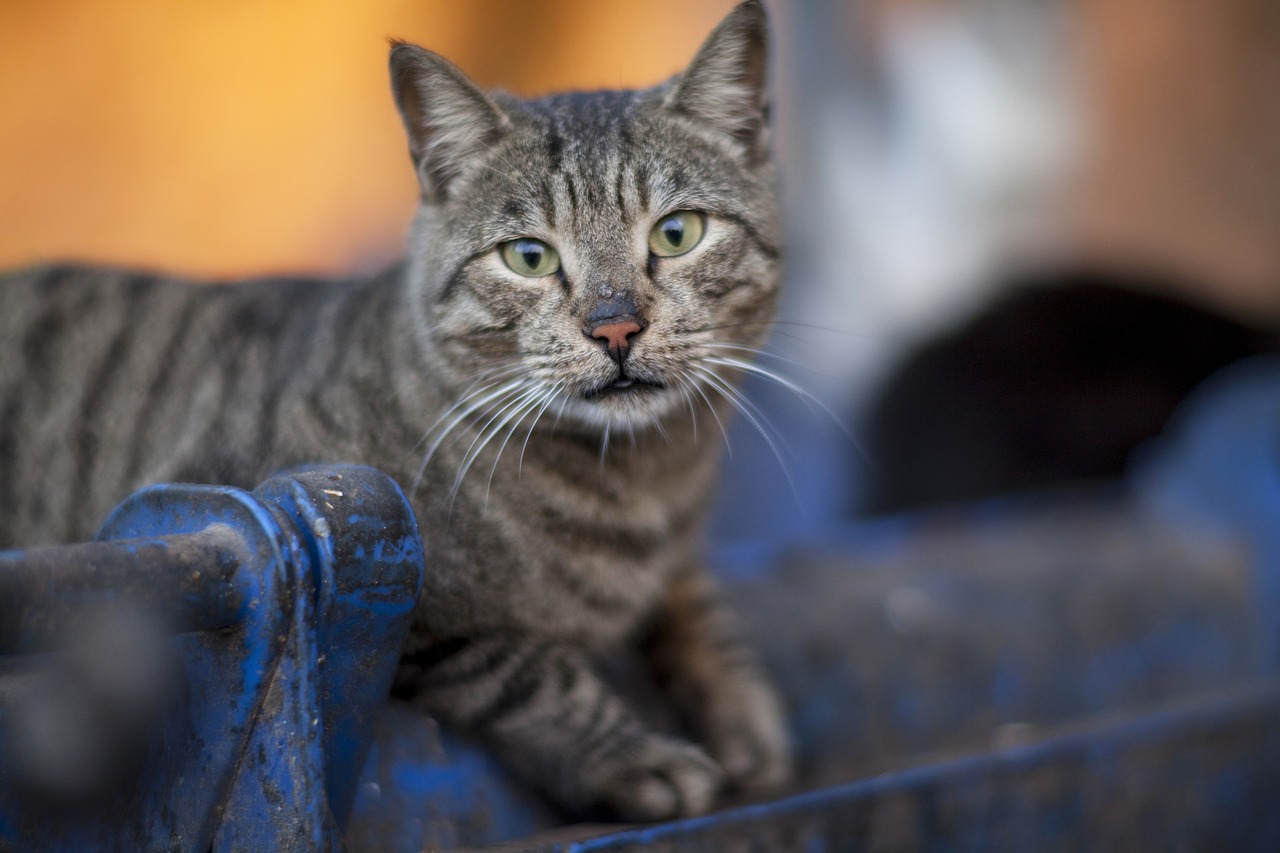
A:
[450,121]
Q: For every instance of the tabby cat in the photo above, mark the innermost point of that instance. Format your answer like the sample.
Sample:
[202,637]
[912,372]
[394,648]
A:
[545,375]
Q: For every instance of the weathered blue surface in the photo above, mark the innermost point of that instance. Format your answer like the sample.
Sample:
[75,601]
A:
[367,573]
[255,733]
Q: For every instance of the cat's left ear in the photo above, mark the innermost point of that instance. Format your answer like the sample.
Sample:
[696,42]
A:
[726,85]
[451,123]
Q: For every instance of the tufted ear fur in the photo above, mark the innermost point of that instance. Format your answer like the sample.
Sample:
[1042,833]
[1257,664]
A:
[450,121]
[725,86]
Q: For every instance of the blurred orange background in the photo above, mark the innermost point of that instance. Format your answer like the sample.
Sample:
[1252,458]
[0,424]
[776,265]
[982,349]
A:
[228,138]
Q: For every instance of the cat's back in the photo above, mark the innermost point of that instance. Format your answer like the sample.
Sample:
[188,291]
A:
[69,308]
[69,347]
[61,309]
[105,373]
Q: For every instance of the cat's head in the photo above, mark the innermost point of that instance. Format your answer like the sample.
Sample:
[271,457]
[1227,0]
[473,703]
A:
[599,255]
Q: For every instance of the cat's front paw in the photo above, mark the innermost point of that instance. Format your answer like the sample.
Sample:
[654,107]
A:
[658,778]
[745,729]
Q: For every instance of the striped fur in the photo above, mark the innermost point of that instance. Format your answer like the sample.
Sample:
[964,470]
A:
[562,520]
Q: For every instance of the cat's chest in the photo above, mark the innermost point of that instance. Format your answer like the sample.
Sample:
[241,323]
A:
[565,551]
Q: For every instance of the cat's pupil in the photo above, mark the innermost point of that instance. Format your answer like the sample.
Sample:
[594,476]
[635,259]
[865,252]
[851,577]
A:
[532,256]
[674,232]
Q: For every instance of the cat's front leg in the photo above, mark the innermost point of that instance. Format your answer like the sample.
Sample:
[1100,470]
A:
[716,681]
[539,704]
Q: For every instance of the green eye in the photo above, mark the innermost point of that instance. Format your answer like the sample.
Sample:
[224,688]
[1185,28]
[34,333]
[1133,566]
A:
[530,257]
[676,233]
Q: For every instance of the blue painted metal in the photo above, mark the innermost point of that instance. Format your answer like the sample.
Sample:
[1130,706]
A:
[366,559]
[294,602]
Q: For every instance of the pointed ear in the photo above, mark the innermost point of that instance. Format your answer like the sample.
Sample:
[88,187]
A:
[450,122]
[725,86]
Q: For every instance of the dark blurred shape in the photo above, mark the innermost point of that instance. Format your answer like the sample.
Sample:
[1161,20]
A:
[1054,383]
[78,728]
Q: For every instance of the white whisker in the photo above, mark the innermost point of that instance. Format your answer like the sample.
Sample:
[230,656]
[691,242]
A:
[756,417]
[509,388]
[662,431]
[728,447]
[756,351]
[548,399]
[809,399]
[560,412]
[688,401]
[495,374]
[523,411]
[486,434]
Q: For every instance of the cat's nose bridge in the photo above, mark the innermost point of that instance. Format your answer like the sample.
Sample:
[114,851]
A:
[614,319]
[612,302]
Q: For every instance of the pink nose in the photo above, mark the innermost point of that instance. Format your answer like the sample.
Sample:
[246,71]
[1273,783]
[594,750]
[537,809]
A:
[617,338]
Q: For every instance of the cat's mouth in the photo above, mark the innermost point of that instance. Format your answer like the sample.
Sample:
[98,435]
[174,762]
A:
[628,385]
